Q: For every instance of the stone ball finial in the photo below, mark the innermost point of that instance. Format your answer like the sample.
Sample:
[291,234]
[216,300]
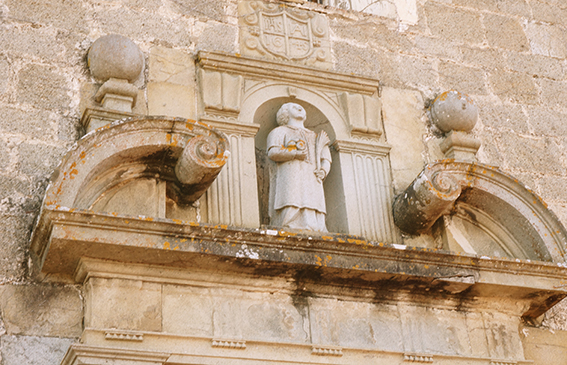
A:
[454,111]
[115,56]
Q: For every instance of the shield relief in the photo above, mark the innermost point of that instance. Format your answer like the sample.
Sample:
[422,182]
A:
[285,35]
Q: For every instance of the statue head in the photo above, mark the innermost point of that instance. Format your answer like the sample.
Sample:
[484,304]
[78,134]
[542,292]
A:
[288,111]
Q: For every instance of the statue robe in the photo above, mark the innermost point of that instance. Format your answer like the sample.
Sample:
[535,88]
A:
[297,196]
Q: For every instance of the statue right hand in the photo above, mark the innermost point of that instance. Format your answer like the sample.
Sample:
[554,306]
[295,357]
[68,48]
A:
[300,155]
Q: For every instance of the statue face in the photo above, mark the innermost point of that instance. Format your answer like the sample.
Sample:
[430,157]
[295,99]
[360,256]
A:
[296,111]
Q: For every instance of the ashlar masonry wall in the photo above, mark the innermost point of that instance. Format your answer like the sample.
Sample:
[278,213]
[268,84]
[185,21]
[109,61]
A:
[510,56]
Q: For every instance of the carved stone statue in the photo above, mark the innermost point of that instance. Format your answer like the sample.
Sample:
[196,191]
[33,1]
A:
[303,161]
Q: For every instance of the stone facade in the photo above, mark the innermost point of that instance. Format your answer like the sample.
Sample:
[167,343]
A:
[375,69]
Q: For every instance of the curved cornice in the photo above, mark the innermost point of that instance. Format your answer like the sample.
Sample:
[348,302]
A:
[500,196]
[187,153]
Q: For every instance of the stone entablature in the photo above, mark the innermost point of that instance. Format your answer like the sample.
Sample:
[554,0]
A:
[177,274]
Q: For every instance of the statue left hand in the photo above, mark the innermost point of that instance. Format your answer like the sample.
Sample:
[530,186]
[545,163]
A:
[320,174]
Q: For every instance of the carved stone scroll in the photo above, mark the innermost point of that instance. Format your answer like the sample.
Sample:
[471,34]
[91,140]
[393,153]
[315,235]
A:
[431,195]
[201,161]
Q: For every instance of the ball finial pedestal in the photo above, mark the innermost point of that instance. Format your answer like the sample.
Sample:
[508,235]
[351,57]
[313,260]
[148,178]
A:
[456,114]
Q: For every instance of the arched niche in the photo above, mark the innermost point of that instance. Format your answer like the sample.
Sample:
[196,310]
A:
[260,106]
[317,121]
[478,209]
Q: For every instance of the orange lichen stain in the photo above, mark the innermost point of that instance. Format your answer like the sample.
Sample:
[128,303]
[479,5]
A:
[340,240]
[166,246]
[358,242]
[183,240]
[149,219]
[73,173]
[203,124]
[194,224]
[327,238]
[381,244]
[177,221]
[356,266]
[426,266]
[319,261]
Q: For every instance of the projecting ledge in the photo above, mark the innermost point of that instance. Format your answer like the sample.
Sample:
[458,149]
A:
[63,237]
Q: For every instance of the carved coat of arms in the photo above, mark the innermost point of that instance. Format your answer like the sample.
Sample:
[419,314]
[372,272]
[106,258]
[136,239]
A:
[283,32]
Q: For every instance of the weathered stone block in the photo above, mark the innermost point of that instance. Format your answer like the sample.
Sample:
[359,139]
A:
[29,42]
[123,304]
[188,310]
[274,317]
[50,13]
[218,37]
[373,34]
[553,188]
[491,5]
[502,116]
[402,112]
[6,75]
[547,40]
[503,336]
[514,87]
[549,13]
[171,100]
[505,32]
[13,243]
[464,79]
[438,47]
[171,66]
[537,65]
[68,128]
[414,72]
[356,324]
[544,346]
[359,61]
[547,122]
[39,159]
[487,58]
[43,87]
[35,123]
[144,26]
[30,350]
[200,9]
[429,330]
[489,152]
[41,310]
[553,92]
[510,7]
[544,155]
[454,24]
[515,7]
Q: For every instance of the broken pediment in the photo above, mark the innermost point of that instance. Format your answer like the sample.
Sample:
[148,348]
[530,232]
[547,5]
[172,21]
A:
[478,209]
[139,166]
